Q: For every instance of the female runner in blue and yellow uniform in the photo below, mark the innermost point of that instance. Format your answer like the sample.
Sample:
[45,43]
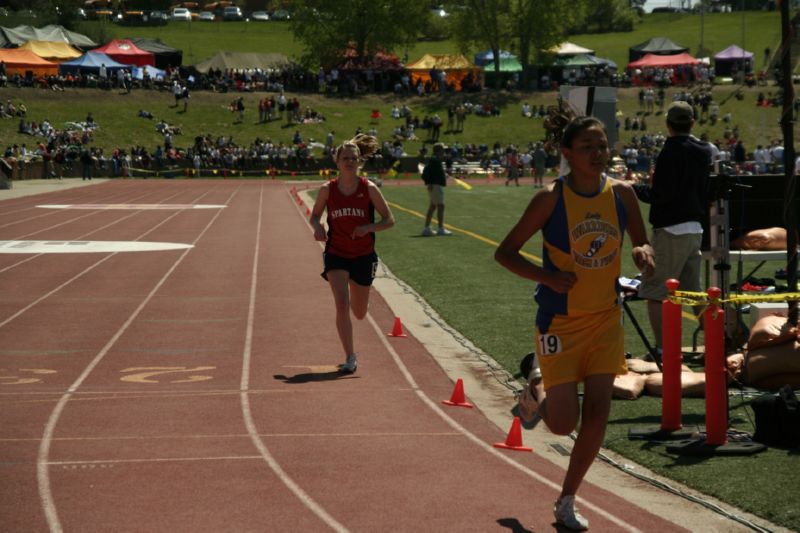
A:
[579,335]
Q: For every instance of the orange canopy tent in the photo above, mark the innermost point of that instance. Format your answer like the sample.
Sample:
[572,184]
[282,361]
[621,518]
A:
[455,67]
[19,61]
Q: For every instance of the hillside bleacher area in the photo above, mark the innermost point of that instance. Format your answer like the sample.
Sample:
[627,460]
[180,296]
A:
[407,166]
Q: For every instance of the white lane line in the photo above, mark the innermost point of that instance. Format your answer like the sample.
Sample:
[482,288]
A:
[86,247]
[117,221]
[92,267]
[18,221]
[129,207]
[434,406]
[258,442]
[157,460]
[486,447]
[42,469]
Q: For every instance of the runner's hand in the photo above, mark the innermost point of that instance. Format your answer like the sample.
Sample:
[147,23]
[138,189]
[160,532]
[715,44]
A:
[360,231]
[561,282]
[644,258]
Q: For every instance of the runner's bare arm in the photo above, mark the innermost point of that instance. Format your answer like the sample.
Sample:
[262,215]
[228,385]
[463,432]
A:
[387,218]
[642,252]
[316,213]
[532,221]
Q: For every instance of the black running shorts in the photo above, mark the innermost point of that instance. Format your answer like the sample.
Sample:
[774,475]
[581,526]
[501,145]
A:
[361,269]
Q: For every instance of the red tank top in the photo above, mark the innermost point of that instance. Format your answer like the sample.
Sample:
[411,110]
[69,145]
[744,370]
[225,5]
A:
[345,213]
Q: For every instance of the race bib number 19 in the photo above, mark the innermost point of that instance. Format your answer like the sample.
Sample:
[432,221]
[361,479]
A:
[549,344]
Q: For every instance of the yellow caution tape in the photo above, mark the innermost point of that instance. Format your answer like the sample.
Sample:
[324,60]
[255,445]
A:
[701,298]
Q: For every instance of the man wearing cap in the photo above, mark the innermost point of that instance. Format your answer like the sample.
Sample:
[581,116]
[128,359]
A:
[679,199]
[435,180]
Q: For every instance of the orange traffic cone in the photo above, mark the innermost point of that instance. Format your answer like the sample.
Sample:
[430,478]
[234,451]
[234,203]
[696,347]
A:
[457,398]
[397,330]
[514,438]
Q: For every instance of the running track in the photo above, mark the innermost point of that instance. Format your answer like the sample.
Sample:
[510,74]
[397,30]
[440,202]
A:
[195,389]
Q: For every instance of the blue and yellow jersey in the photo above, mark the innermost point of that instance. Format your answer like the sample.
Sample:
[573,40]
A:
[583,235]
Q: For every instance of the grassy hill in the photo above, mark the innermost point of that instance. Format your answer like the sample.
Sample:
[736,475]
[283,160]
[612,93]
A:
[753,30]
[116,113]
[208,112]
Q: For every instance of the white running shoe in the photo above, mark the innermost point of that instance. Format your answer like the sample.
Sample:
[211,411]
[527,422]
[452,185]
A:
[350,366]
[443,231]
[568,516]
[427,231]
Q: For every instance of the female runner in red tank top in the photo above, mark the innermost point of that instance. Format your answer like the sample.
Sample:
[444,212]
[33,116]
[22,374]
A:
[350,259]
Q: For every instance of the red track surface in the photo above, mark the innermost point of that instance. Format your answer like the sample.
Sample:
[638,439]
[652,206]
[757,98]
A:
[194,390]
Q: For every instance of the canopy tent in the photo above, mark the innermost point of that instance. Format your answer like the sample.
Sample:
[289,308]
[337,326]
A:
[457,68]
[154,73]
[124,51]
[52,51]
[656,45]
[655,61]
[730,58]
[486,57]
[242,61]
[577,61]
[569,49]
[380,61]
[509,67]
[165,56]
[19,61]
[90,63]
[607,62]
[19,35]
[509,64]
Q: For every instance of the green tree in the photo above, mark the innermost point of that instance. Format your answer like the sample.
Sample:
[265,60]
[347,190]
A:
[525,27]
[327,28]
[540,25]
[603,16]
[484,24]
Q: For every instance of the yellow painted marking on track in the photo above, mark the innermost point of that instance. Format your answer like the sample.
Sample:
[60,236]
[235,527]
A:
[143,374]
[535,259]
[463,183]
[315,369]
[16,379]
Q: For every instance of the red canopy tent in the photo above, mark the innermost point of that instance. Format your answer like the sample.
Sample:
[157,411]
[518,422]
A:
[655,61]
[124,51]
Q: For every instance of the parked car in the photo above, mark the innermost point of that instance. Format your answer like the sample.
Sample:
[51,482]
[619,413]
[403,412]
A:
[232,13]
[158,18]
[206,16]
[280,14]
[143,18]
[181,13]
[259,15]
